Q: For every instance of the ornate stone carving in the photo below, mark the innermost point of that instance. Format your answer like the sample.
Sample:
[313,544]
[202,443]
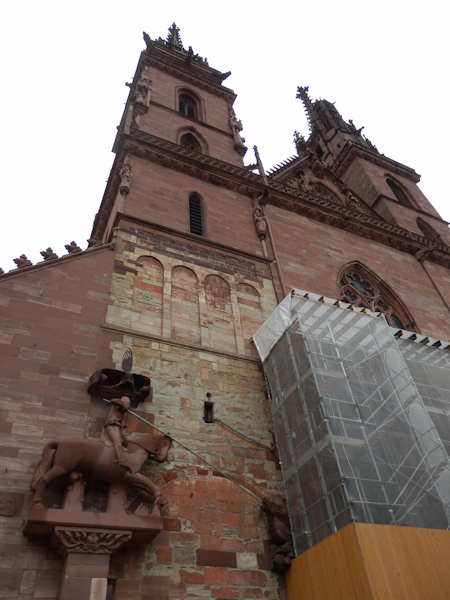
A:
[48,254]
[143,90]
[22,261]
[174,38]
[111,383]
[361,289]
[126,175]
[260,223]
[72,247]
[324,192]
[90,541]
[236,128]
[281,550]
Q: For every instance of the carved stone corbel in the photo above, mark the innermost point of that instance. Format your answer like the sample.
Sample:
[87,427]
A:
[90,541]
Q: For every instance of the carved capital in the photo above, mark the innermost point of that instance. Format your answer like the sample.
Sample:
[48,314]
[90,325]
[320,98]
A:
[90,541]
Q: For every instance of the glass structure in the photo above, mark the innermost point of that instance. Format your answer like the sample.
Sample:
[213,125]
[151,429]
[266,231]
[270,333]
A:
[361,419]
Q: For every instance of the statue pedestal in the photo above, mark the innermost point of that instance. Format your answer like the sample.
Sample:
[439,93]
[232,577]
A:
[88,539]
[88,552]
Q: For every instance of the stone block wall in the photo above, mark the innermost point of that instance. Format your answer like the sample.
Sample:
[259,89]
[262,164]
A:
[215,539]
[192,336]
[50,343]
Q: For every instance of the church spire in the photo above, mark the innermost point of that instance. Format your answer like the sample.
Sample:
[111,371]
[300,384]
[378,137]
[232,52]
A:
[174,38]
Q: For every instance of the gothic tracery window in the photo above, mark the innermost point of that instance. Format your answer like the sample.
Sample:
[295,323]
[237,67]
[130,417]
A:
[358,288]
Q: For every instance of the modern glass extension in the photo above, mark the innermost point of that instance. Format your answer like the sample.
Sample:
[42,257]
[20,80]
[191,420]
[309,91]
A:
[361,419]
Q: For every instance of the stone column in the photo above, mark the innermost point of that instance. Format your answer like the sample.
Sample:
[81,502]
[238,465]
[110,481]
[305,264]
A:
[88,552]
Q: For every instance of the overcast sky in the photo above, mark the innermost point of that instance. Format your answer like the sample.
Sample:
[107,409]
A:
[64,66]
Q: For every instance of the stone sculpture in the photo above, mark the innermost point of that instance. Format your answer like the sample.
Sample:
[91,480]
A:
[281,551]
[98,461]
[236,128]
[143,91]
[113,433]
[126,175]
[260,223]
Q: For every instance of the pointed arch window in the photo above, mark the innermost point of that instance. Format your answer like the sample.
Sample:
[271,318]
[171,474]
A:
[400,194]
[195,214]
[189,141]
[188,105]
[359,287]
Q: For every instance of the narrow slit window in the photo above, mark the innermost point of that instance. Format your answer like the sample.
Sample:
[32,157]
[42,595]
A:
[188,106]
[195,214]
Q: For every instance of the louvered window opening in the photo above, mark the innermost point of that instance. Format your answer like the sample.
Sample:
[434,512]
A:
[195,215]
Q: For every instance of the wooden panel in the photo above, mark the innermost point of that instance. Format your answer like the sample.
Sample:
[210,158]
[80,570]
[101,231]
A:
[331,570]
[374,562]
[406,563]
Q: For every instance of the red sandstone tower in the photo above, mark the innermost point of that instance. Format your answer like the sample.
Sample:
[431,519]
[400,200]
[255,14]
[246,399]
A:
[189,254]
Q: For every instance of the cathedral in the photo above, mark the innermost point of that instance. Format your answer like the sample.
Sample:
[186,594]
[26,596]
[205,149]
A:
[241,388]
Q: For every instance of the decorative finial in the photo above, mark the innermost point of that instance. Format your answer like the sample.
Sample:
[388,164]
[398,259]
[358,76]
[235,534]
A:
[48,254]
[300,142]
[174,38]
[72,248]
[22,261]
[302,93]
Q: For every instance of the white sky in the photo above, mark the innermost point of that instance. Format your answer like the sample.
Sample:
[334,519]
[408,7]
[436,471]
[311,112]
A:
[385,64]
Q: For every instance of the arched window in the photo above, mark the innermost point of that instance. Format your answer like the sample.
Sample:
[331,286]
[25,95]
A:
[190,142]
[188,105]
[399,193]
[427,230]
[360,287]
[195,214]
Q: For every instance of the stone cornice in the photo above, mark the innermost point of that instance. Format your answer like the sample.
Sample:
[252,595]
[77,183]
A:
[243,181]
